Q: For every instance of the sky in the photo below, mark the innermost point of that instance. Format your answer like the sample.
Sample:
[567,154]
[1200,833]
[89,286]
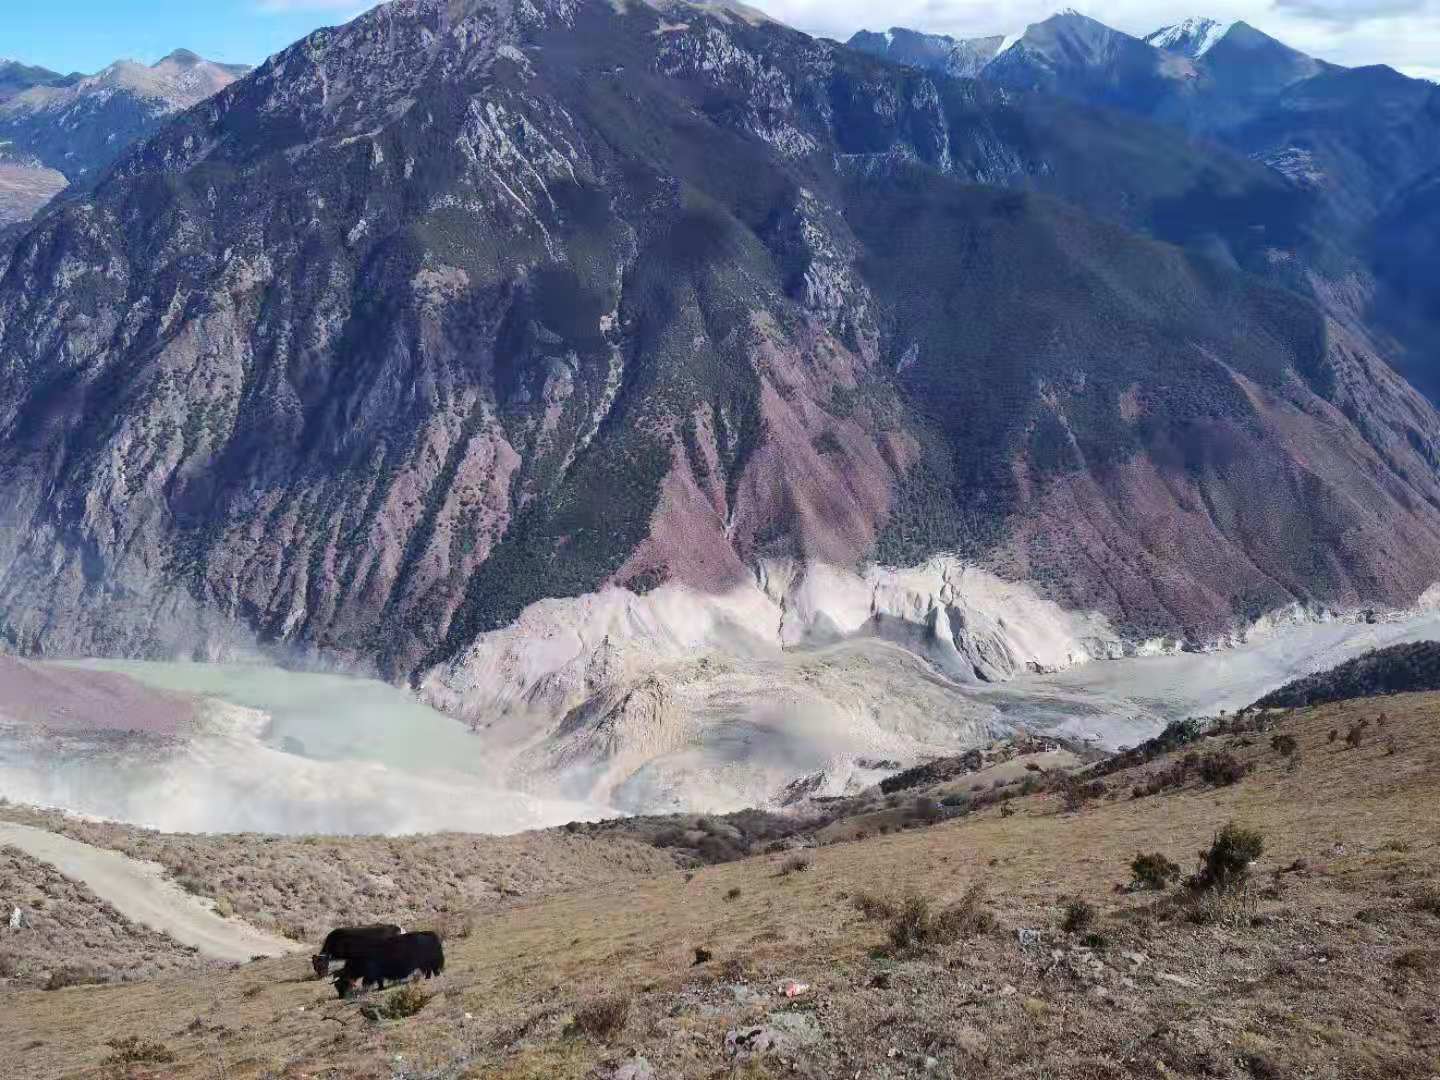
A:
[85,35]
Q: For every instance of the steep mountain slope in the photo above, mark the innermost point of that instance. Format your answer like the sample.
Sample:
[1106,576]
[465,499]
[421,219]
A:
[1077,57]
[1355,139]
[1244,62]
[460,307]
[960,58]
[1405,246]
[79,125]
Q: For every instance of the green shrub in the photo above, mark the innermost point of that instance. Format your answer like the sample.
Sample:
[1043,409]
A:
[1079,916]
[406,1001]
[1227,861]
[1153,871]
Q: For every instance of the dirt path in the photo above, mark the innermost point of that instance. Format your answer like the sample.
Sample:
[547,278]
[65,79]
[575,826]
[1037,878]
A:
[140,892]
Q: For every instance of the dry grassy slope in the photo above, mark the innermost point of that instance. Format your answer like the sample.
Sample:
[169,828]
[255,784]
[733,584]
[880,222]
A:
[1313,989]
[302,886]
[71,935]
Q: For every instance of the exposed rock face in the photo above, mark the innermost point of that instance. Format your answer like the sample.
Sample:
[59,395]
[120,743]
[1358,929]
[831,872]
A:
[962,58]
[470,306]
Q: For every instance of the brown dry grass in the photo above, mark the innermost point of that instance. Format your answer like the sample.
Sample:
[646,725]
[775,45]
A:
[1313,986]
[70,936]
[301,886]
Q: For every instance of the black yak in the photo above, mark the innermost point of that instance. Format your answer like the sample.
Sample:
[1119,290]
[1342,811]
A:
[394,960]
[351,943]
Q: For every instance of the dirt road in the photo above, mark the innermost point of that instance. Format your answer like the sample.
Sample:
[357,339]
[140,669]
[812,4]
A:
[140,892]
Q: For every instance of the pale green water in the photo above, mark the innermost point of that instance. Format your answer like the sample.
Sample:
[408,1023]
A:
[324,717]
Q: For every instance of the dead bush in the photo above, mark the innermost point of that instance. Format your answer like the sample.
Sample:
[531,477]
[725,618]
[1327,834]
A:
[872,906]
[133,1050]
[73,975]
[1234,905]
[796,864]
[603,1018]
[916,925]
[9,966]
[1423,962]
[455,925]
[928,810]
[1221,769]
[1428,900]
[1285,745]
[1075,793]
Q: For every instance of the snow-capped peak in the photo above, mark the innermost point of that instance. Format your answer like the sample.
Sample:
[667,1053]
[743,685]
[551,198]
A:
[1194,36]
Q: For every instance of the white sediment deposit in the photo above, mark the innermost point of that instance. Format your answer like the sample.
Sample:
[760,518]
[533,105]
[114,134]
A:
[620,703]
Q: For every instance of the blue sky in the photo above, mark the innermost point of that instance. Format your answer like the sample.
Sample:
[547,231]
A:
[85,35]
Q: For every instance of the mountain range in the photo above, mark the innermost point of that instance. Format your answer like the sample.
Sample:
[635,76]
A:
[509,350]
[1361,139]
[57,130]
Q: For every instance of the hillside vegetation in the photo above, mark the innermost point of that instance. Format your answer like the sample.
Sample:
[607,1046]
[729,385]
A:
[1028,938]
[1399,669]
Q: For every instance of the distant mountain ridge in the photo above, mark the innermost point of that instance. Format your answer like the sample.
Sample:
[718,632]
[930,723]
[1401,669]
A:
[960,58]
[1359,140]
[74,126]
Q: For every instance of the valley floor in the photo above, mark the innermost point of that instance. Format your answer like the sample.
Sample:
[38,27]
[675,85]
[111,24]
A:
[1326,968]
